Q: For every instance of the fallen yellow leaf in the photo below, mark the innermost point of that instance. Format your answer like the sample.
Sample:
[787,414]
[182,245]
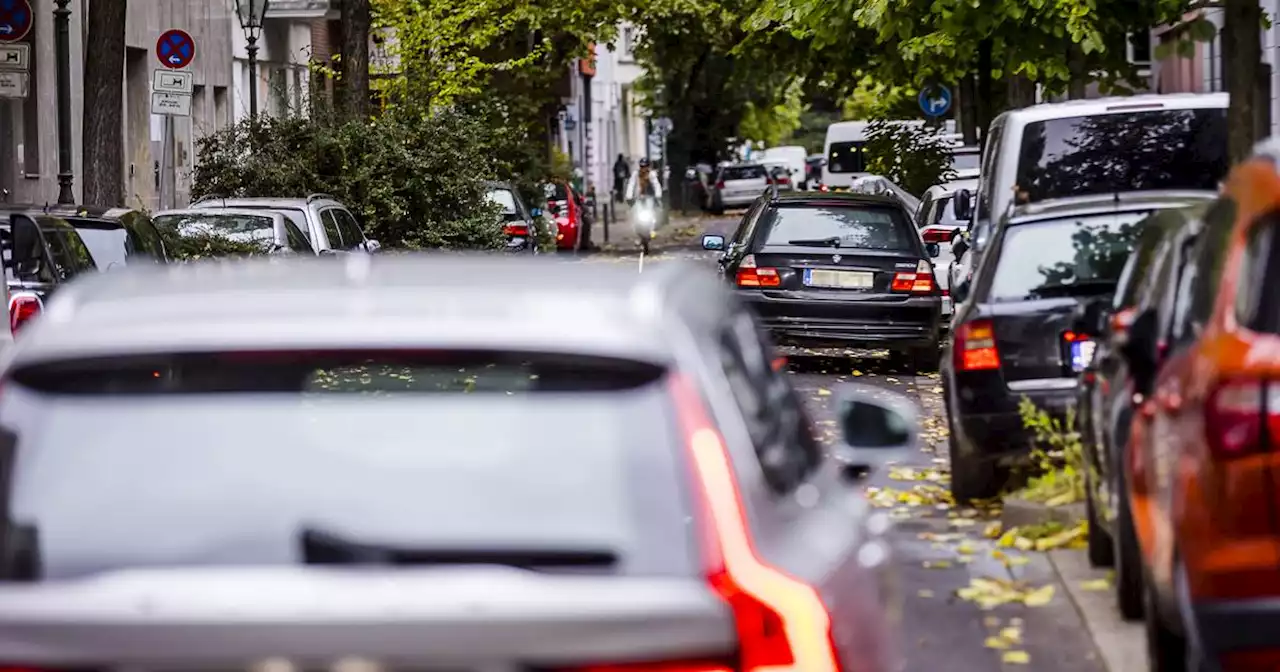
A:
[1011,634]
[996,643]
[1016,658]
[937,564]
[925,593]
[1039,597]
[992,530]
[824,392]
[1096,585]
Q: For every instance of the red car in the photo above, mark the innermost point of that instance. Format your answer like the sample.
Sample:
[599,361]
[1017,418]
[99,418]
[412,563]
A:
[566,209]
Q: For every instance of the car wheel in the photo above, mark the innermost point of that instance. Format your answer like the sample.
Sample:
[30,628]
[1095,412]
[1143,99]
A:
[970,478]
[1128,563]
[1101,548]
[1166,648]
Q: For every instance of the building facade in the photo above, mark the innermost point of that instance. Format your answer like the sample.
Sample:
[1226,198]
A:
[609,102]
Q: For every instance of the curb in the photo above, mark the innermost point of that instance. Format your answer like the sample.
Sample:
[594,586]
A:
[1121,644]
[1019,512]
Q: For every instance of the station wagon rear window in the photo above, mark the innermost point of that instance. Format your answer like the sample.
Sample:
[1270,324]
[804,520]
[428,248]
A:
[865,227]
[1123,152]
[457,454]
[1077,256]
[743,173]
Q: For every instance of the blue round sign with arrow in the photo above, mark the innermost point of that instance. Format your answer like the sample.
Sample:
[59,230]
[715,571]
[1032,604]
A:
[15,20]
[935,100]
[175,49]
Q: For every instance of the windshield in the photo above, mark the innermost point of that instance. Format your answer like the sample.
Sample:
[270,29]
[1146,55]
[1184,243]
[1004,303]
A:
[240,228]
[1134,151]
[564,455]
[940,208]
[846,157]
[967,161]
[743,173]
[110,247]
[504,199]
[1064,256]
[864,226]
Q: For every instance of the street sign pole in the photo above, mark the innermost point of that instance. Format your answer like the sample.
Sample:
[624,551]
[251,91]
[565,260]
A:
[172,86]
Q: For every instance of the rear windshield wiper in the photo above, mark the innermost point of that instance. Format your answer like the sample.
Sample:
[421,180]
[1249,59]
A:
[323,548]
[833,241]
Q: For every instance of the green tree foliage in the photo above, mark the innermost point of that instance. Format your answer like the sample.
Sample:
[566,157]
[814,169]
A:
[912,155]
[415,180]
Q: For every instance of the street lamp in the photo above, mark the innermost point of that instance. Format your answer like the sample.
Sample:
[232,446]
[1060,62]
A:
[62,54]
[251,13]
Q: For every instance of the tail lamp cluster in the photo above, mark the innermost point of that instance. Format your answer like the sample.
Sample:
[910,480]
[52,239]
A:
[1242,417]
[935,235]
[782,623]
[974,347]
[23,307]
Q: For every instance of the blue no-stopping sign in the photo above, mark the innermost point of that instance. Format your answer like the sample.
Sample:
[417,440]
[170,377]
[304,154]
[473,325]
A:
[175,49]
[935,100]
[15,20]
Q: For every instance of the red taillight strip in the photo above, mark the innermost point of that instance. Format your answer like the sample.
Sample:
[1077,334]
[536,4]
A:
[735,568]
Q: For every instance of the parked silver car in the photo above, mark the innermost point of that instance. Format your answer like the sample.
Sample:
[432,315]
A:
[327,223]
[738,185]
[434,463]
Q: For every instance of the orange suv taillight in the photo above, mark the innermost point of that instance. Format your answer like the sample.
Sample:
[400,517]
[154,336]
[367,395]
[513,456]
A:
[1235,414]
[919,281]
[974,347]
[750,275]
[782,623]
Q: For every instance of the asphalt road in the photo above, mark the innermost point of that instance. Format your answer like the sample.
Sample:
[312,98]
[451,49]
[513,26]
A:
[939,549]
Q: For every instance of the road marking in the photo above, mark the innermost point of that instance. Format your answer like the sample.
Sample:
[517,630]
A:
[641,262]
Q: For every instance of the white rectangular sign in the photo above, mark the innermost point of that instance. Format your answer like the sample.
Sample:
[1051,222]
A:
[15,57]
[172,81]
[14,84]
[172,104]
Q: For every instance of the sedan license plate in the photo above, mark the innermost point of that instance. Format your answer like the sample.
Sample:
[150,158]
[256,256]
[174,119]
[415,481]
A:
[839,279]
[1082,354]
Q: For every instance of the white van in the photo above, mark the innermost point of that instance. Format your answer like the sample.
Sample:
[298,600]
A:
[843,149]
[793,156]
[1121,145]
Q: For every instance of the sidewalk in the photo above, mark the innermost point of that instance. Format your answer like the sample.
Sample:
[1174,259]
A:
[1122,644]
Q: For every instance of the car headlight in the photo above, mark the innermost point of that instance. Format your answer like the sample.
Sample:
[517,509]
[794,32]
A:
[645,216]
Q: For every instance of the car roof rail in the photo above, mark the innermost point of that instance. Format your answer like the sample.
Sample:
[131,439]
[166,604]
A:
[320,196]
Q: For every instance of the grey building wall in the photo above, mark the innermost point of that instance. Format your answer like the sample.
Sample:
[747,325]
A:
[28,129]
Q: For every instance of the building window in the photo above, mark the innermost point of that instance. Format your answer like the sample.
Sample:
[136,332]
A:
[221,109]
[628,43]
[1139,49]
[278,90]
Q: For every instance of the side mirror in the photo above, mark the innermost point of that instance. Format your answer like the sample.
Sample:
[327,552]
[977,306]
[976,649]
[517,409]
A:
[963,207]
[712,242]
[933,249]
[536,212]
[372,245]
[959,246]
[1140,351]
[877,426]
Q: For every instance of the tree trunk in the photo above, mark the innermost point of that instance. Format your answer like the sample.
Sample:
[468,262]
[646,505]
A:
[968,110]
[1021,91]
[1079,72]
[985,111]
[103,133]
[1242,29]
[356,20]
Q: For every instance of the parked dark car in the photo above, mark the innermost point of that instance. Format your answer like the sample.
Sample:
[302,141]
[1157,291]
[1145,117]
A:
[1106,396]
[836,270]
[1013,329]
[519,222]
[40,253]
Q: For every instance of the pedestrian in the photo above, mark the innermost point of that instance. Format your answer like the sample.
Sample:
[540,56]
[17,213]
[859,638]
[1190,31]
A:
[621,173]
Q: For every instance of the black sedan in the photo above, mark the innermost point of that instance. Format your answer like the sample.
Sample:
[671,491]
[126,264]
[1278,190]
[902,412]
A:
[836,270]
[1014,335]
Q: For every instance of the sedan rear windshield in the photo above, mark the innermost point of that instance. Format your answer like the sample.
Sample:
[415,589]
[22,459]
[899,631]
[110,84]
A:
[242,228]
[107,241]
[743,173]
[252,459]
[1077,256]
[1123,152]
[866,227]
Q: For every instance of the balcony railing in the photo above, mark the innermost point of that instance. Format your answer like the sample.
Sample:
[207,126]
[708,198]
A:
[303,9]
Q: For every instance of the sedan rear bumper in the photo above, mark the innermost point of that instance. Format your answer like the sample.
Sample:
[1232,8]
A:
[998,431]
[908,323]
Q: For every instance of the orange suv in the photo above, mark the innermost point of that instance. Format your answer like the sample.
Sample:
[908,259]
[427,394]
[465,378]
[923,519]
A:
[1204,460]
